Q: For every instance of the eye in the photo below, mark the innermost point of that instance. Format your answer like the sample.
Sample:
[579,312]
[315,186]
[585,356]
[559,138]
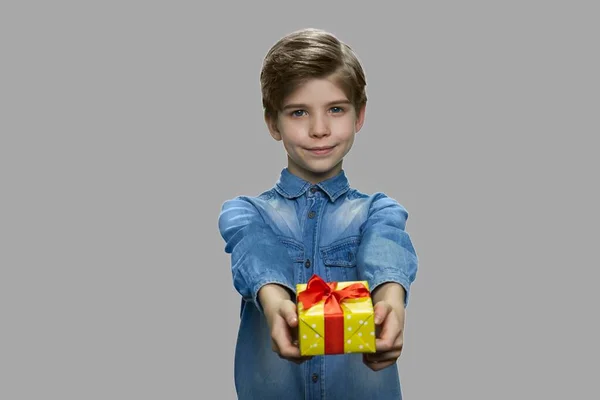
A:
[337,110]
[297,113]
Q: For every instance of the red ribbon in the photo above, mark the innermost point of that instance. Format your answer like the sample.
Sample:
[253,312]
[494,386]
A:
[316,290]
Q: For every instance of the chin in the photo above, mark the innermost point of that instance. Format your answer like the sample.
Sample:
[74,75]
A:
[321,170]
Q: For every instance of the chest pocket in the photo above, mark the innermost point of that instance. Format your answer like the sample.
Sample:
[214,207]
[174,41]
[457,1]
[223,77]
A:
[294,248]
[339,259]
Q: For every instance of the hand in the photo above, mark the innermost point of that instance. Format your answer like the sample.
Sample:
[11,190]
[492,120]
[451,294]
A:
[389,324]
[282,319]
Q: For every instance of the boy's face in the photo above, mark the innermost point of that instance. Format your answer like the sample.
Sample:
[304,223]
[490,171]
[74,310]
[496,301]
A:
[317,125]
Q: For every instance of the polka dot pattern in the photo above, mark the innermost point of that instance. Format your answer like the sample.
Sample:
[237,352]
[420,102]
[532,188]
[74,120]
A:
[358,326]
[357,334]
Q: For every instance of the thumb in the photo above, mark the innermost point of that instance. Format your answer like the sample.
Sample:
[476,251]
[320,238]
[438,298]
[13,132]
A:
[288,312]
[381,310]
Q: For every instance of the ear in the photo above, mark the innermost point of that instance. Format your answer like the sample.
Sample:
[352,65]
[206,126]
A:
[272,126]
[360,118]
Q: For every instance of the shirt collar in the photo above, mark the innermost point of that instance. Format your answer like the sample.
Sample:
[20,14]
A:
[291,186]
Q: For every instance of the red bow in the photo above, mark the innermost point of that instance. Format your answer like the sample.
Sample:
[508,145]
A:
[316,290]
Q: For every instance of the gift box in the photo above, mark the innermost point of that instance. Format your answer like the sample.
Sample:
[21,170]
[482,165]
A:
[335,317]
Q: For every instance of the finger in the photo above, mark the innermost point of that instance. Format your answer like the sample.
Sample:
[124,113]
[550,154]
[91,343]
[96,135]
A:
[378,366]
[294,333]
[296,343]
[381,311]
[298,360]
[381,357]
[386,343]
[283,341]
[390,336]
[287,349]
[289,313]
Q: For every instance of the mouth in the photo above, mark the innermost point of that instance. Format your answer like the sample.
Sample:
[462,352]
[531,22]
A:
[322,150]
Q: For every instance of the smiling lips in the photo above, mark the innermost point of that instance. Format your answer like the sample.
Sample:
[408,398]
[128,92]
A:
[319,151]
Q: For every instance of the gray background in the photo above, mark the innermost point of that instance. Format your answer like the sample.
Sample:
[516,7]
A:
[125,125]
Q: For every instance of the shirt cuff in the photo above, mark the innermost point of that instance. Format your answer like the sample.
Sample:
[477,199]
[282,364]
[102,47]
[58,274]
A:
[398,278]
[266,280]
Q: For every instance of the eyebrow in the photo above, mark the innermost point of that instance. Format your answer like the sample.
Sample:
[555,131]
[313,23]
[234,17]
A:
[343,101]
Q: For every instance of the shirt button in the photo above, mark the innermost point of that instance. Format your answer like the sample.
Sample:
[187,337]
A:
[307,264]
[315,377]
[311,214]
[313,189]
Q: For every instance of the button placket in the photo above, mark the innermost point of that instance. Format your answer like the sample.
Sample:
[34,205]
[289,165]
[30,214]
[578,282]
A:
[311,236]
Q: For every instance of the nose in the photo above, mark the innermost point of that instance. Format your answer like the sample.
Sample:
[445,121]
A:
[319,126]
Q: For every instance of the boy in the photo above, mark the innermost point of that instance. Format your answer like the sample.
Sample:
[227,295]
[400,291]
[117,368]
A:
[312,222]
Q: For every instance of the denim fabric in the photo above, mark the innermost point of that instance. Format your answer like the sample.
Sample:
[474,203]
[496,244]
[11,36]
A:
[285,235]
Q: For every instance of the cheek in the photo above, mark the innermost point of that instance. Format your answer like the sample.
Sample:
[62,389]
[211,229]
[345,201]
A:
[288,147]
[293,133]
[290,143]
[344,128]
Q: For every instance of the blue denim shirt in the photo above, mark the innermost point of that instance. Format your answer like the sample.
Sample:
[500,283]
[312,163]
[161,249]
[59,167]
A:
[285,235]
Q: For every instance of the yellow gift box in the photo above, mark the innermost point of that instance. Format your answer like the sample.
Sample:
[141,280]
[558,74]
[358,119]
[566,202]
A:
[335,317]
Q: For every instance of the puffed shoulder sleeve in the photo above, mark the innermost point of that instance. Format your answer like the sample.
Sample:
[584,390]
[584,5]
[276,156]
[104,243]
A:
[386,253]
[257,255]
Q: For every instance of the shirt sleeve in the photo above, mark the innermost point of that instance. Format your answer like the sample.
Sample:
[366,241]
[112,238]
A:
[257,255]
[386,253]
